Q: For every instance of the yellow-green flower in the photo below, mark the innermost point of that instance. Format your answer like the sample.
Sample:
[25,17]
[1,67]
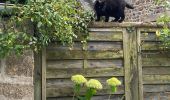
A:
[95,84]
[78,79]
[113,82]
[158,33]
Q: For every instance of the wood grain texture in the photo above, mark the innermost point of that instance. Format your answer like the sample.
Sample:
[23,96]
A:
[156,79]
[97,97]
[87,72]
[156,70]
[132,54]
[105,35]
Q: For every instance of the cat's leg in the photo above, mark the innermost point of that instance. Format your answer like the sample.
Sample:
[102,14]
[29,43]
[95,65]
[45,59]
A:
[106,18]
[98,17]
[122,16]
[116,19]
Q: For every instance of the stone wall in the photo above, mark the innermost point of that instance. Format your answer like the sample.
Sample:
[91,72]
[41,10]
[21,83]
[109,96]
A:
[16,77]
[145,11]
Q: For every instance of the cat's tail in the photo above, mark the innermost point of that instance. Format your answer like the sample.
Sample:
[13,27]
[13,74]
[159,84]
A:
[129,6]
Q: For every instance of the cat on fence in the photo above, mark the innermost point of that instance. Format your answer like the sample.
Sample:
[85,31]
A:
[111,8]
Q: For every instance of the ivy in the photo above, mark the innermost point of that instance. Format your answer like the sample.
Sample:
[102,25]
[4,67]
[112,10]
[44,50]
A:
[52,20]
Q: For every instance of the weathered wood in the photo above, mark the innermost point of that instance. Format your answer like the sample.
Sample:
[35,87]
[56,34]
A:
[44,65]
[155,54]
[156,70]
[37,76]
[126,48]
[87,72]
[111,54]
[104,45]
[156,79]
[64,64]
[54,82]
[103,97]
[139,64]
[151,46]
[124,25]
[68,91]
[156,61]
[105,29]
[59,46]
[156,88]
[157,96]
[105,35]
[134,57]
[131,68]
[115,63]
[149,36]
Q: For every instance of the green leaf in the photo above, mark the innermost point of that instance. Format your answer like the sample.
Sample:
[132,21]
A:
[39,24]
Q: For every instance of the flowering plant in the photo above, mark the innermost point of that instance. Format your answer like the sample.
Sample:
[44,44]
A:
[113,83]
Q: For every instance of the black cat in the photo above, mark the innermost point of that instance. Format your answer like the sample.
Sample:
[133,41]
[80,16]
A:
[111,8]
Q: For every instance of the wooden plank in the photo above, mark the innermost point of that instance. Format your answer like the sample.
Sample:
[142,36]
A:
[105,35]
[88,72]
[64,54]
[115,63]
[156,88]
[64,87]
[64,64]
[156,70]
[149,36]
[54,82]
[103,97]
[156,61]
[104,45]
[156,79]
[126,48]
[37,76]
[111,54]
[157,96]
[139,64]
[104,29]
[44,65]
[59,46]
[151,46]
[156,54]
[131,67]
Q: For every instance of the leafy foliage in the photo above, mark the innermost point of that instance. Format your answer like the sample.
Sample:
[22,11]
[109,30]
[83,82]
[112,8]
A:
[164,19]
[52,20]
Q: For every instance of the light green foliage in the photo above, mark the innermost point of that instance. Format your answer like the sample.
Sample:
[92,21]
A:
[52,20]
[164,19]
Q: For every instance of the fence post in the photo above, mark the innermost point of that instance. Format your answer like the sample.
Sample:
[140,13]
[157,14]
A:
[140,65]
[130,63]
[37,76]
[44,74]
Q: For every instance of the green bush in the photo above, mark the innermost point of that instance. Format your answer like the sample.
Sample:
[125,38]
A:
[52,20]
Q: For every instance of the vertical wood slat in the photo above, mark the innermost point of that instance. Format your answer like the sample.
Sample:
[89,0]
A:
[128,94]
[130,64]
[37,76]
[140,85]
[44,74]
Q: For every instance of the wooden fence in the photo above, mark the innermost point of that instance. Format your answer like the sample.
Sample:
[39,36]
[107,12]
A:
[130,51]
